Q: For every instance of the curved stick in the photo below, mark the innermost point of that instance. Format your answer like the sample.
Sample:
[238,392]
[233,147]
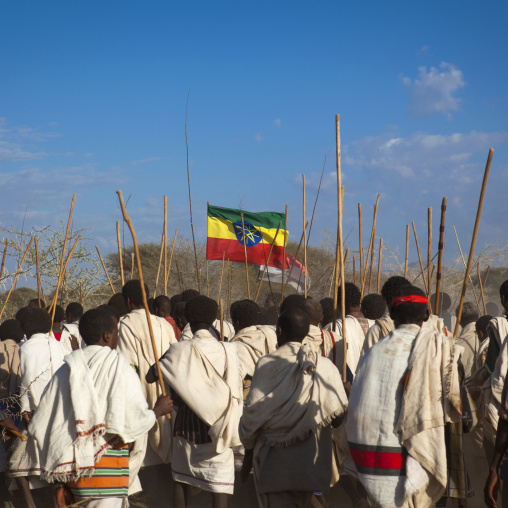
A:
[120,257]
[104,268]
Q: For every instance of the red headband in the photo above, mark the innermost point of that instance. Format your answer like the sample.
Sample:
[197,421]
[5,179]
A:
[409,299]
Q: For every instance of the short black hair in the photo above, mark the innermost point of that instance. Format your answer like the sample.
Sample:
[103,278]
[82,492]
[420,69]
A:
[35,320]
[295,324]
[481,324]
[445,302]
[118,302]
[469,314]
[21,312]
[11,329]
[373,306]
[313,309]
[59,313]
[151,305]
[353,296]
[246,312]
[74,310]
[201,309]
[503,290]
[292,302]
[410,312]
[391,288]
[327,306]
[94,324]
[132,291]
[36,302]
[179,312]
[163,303]
[112,310]
[189,294]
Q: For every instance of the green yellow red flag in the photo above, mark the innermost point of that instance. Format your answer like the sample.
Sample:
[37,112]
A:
[225,236]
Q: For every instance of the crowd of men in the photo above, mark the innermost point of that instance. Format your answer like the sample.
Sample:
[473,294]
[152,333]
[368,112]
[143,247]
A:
[261,397]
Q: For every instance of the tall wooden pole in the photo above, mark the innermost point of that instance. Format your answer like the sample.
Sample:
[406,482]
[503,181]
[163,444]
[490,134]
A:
[221,312]
[161,254]
[3,258]
[221,274]
[304,243]
[407,251]
[244,240]
[473,240]
[354,270]
[379,265]
[293,264]
[104,268]
[360,241]
[143,293]
[132,265]
[420,260]
[284,251]
[165,244]
[440,255]
[171,258]
[429,248]
[481,290]
[371,267]
[258,286]
[486,277]
[38,271]
[120,256]
[371,244]
[207,281]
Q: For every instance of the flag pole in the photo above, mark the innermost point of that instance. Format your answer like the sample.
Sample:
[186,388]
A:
[304,243]
[284,250]
[244,239]
[440,257]
[221,274]
[473,239]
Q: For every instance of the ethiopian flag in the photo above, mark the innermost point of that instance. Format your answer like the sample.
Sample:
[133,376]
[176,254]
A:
[225,236]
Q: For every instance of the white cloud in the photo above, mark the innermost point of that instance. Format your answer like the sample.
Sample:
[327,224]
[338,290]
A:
[434,90]
[424,50]
[277,122]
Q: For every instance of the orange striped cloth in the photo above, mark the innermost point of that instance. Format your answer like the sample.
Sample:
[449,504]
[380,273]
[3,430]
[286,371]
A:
[110,478]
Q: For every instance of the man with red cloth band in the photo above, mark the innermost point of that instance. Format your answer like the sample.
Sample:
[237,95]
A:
[406,388]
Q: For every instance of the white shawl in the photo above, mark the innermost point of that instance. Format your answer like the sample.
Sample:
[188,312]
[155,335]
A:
[65,339]
[95,398]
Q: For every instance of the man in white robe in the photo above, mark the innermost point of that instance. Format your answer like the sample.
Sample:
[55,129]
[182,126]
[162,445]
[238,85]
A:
[96,393]
[70,338]
[320,341]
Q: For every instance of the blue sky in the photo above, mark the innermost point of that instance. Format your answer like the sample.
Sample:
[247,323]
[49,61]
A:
[93,95]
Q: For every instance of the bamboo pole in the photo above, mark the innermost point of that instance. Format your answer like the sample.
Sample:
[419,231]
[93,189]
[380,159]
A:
[469,275]
[354,270]
[258,287]
[360,241]
[221,274]
[284,248]
[104,268]
[473,240]
[440,257]
[332,281]
[221,311]
[171,258]
[132,265]
[420,260]
[166,245]
[371,267]
[120,256]
[407,251]
[127,219]
[293,264]
[481,290]
[16,277]
[371,244]
[244,240]
[379,265]
[304,244]
[160,264]
[429,248]
[3,258]
[486,277]
[38,271]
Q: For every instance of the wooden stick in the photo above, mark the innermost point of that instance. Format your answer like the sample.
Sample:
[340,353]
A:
[81,292]
[207,281]
[221,311]
[120,256]
[429,248]
[293,264]
[481,290]
[221,274]
[284,248]
[171,258]
[64,246]
[371,244]
[165,236]
[16,277]
[407,251]
[440,257]
[354,270]
[38,271]
[360,241]
[269,282]
[132,265]
[3,258]
[473,240]
[17,434]
[258,288]
[420,260]
[470,279]
[304,244]
[161,254]
[486,277]
[371,267]
[127,219]
[331,281]
[244,239]
[105,271]
[379,266]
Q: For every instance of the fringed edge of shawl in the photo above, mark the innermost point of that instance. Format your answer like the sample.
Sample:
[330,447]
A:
[285,442]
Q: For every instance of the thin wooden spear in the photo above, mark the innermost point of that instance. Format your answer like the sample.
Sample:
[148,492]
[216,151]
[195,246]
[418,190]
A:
[481,290]
[379,265]
[371,267]
[269,283]
[207,281]
[440,257]
[304,244]
[171,258]
[132,265]
[221,311]
[120,256]
[66,264]
[420,260]
[332,281]
[105,271]
[3,258]
[161,254]
[127,219]
[473,240]
[360,241]
[166,245]
[407,251]
[38,272]
[486,277]
[429,248]
[293,264]
[371,244]
[244,240]
[354,270]
[258,288]
[221,274]
[16,276]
